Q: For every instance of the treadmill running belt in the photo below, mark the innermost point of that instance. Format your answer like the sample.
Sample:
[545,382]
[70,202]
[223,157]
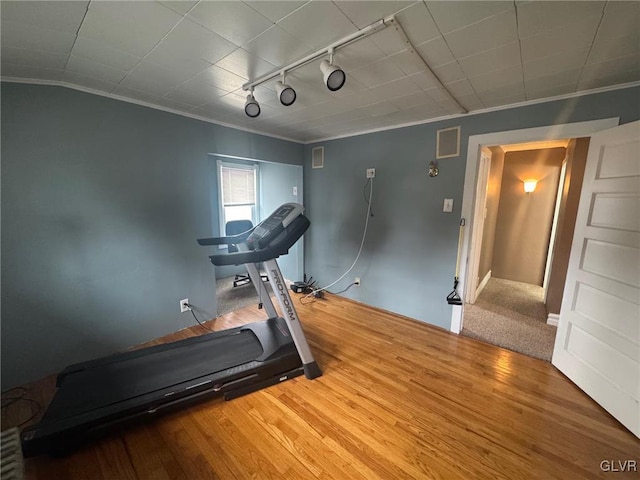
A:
[121,380]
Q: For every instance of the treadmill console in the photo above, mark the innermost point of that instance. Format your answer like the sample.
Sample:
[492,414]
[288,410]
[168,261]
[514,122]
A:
[271,228]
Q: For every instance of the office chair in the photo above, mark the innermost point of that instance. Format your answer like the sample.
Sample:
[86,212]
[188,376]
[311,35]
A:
[235,227]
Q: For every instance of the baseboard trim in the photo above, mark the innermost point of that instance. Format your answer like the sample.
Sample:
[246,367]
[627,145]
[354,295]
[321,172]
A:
[483,284]
[552,319]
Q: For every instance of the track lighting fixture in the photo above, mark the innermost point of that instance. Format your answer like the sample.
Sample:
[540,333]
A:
[332,75]
[251,106]
[286,94]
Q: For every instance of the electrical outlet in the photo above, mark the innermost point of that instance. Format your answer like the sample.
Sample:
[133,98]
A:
[184,305]
[371,172]
[357,281]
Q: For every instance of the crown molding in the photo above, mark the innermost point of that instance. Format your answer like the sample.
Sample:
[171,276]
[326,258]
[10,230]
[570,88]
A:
[480,112]
[57,83]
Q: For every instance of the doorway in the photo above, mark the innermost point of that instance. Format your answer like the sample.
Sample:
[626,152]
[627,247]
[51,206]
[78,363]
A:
[517,204]
[476,142]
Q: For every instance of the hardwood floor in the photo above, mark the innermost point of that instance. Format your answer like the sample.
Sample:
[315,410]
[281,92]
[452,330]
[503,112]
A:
[398,400]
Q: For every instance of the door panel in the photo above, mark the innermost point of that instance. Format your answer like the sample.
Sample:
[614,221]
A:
[598,340]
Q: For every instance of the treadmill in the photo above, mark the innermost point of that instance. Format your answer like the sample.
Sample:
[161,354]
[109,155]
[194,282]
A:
[94,397]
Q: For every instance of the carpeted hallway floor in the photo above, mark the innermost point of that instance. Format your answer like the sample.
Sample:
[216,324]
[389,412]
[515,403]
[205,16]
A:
[511,315]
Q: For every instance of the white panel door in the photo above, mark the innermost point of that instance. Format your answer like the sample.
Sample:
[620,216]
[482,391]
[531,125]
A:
[597,344]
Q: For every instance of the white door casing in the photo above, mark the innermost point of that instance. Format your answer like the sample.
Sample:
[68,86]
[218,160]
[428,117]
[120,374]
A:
[478,226]
[549,132]
[598,340]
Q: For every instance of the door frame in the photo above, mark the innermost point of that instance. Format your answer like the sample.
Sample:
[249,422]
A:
[477,230]
[475,144]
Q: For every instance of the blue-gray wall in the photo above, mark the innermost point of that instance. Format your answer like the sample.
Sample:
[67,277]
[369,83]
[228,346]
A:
[276,187]
[101,204]
[408,262]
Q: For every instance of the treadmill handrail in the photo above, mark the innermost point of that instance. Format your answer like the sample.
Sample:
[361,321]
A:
[229,240]
[280,246]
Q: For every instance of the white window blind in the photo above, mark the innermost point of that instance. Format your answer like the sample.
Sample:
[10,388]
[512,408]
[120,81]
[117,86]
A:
[238,186]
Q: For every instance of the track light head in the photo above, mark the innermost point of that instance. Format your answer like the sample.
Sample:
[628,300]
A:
[286,94]
[333,76]
[251,106]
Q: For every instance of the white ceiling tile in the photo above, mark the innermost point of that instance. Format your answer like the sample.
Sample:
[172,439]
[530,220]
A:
[154,79]
[437,94]
[537,17]
[10,70]
[500,78]
[363,13]
[550,91]
[511,94]
[358,54]
[460,88]
[34,58]
[450,16]
[436,52]
[277,47]
[396,88]
[611,68]
[605,48]
[65,16]
[471,102]
[95,70]
[409,62]
[217,77]
[495,59]
[134,27]
[498,99]
[22,35]
[233,20]
[620,19]
[564,77]
[377,73]
[190,97]
[484,35]
[99,52]
[245,65]
[318,23]
[389,40]
[190,47]
[560,62]
[88,82]
[412,100]
[450,106]
[180,6]
[275,10]
[450,72]
[378,109]
[577,35]
[134,94]
[418,24]
[607,79]
[424,81]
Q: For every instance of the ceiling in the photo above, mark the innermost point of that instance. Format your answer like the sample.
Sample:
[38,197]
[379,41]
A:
[193,57]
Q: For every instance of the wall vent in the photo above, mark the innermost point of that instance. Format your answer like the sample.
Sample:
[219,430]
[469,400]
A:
[448,142]
[12,467]
[317,157]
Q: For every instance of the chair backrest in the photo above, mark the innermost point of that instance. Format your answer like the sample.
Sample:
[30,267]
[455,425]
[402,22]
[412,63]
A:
[235,227]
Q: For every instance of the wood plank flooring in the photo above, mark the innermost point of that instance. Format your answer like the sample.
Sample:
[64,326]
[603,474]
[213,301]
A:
[398,400]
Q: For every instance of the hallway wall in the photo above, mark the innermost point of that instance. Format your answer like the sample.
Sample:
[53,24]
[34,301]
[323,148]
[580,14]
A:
[524,220]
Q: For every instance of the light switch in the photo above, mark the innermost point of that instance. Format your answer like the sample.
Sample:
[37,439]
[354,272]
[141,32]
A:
[448,205]
[295,191]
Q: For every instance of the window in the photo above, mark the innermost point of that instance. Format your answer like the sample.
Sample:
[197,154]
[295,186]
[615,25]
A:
[238,193]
